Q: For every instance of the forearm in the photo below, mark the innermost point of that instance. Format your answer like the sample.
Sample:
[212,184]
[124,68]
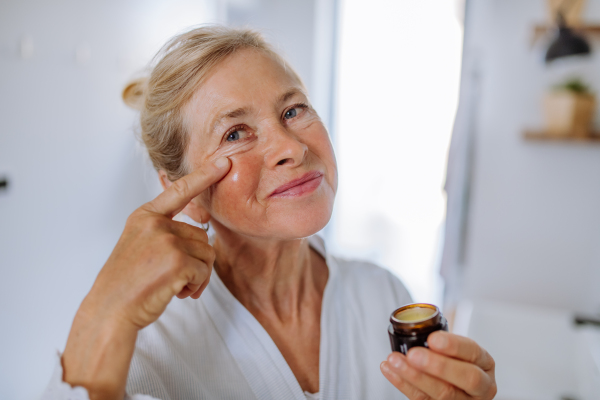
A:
[97,356]
[154,260]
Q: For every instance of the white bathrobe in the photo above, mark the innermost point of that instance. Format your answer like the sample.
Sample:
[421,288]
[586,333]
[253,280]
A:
[213,348]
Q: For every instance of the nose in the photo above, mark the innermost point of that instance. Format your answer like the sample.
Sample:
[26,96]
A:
[283,148]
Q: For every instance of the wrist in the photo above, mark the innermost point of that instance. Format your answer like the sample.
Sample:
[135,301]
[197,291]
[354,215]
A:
[98,353]
[98,315]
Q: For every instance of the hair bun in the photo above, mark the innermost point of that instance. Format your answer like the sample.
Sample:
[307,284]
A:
[134,93]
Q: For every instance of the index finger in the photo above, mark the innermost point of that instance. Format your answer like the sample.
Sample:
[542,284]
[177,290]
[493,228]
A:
[182,191]
[460,347]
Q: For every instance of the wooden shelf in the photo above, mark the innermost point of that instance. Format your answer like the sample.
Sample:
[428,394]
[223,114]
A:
[545,136]
[541,30]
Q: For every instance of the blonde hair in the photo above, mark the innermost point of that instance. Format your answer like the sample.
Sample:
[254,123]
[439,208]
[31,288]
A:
[180,67]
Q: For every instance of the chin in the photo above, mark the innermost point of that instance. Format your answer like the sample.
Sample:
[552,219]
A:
[301,222]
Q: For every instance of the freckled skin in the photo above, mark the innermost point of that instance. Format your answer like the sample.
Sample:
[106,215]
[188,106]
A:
[273,151]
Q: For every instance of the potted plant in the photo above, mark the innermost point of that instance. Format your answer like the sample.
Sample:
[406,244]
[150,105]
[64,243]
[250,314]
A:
[569,109]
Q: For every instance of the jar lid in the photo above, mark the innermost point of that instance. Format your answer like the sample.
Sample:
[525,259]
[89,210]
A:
[416,318]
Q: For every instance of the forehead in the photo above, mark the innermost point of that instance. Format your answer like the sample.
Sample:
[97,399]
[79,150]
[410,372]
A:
[248,78]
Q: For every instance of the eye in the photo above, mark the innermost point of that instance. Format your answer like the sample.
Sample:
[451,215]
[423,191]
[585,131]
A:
[291,113]
[239,133]
[295,111]
[233,136]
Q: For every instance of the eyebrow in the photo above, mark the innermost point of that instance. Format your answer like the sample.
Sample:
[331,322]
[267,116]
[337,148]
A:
[240,112]
[289,94]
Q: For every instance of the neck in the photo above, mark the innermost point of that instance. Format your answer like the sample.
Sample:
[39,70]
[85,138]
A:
[270,276]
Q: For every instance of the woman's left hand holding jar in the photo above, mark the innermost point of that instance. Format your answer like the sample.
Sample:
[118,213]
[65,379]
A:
[155,260]
[453,368]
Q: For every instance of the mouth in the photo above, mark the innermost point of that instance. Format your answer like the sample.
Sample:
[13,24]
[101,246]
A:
[297,187]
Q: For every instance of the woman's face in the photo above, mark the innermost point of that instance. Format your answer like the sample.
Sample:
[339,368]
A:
[283,177]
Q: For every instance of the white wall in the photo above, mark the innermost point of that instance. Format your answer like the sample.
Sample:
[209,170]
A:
[67,146]
[398,90]
[529,256]
[533,233]
[289,25]
[75,170]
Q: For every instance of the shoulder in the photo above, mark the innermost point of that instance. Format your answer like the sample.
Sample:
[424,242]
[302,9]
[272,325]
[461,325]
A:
[361,278]
[367,278]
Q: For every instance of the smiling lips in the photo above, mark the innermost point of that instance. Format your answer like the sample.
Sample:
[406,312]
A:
[306,184]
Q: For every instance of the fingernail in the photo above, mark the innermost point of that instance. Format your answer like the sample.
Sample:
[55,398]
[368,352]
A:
[395,360]
[385,367]
[439,341]
[417,357]
[221,162]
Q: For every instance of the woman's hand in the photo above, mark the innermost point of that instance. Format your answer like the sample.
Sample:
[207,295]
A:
[155,259]
[453,368]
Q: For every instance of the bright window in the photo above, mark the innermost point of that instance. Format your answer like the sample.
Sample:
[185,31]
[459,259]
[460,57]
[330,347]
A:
[398,92]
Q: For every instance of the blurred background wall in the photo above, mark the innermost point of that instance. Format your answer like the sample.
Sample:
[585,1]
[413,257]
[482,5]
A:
[533,224]
[74,168]
[521,253]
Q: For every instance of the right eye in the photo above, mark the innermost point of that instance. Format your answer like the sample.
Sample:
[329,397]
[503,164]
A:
[237,134]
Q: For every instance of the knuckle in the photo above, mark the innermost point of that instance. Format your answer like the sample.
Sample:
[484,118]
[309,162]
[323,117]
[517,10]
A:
[181,187]
[421,396]
[204,272]
[203,235]
[197,272]
[134,219]
[206,253]
[448,393]
[178,261]
[412,374]
[436,366]
[453,345]
[491,362]
[478,354]
[493,391]
[190,274]
[152,223]
[474,382]
[211,255]
[171,241]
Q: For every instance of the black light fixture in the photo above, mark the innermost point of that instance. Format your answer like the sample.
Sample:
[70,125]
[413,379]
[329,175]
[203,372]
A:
[568,43]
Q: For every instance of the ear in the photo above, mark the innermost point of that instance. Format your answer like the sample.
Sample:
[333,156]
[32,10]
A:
[194,209]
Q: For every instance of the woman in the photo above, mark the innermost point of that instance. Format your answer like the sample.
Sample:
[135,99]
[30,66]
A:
[230,130]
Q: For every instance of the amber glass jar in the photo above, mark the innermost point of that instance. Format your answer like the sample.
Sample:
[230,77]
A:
[412,323]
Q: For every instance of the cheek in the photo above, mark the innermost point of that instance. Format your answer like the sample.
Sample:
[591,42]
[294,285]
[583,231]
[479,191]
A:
[324,151]
[232,194]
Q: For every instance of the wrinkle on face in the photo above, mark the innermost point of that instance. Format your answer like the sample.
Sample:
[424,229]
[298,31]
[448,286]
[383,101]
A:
[250,81]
